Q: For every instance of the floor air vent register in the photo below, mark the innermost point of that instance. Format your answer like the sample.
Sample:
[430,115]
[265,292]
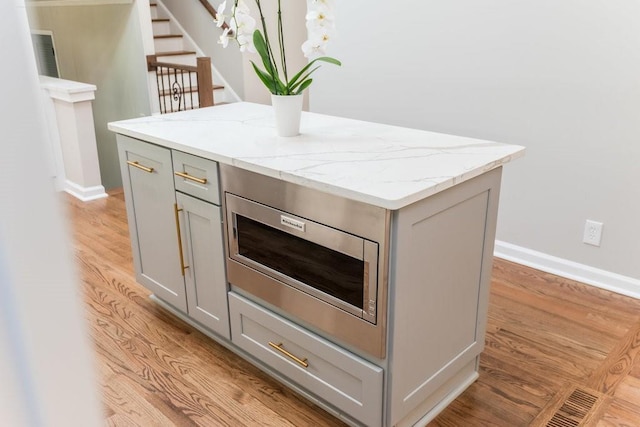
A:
[575,410]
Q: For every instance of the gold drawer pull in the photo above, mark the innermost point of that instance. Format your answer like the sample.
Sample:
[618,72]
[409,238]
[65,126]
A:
[278,347]
[181,252]
[139,166]
[192,178]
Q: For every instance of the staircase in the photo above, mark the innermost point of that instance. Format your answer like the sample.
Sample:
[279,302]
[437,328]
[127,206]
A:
[171,46]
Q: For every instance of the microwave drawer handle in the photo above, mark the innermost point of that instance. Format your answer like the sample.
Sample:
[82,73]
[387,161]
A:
[301,362]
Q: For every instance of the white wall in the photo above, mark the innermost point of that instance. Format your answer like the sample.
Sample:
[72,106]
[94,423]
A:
[101,45]
[562,78]
[46,376]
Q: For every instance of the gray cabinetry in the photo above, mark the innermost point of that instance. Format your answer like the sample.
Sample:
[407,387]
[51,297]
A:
[440,253]
[201,232]
[196,176]
[439,197]
[441,256]
[176,238]
[346,381]
[147,178]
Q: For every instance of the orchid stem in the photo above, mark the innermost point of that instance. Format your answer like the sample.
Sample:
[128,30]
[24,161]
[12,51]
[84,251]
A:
[283,56]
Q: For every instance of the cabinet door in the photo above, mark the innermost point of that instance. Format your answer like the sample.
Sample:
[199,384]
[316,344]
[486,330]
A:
[201,225]
[147,178]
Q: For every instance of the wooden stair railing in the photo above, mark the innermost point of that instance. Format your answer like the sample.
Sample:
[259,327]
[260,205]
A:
[182,87]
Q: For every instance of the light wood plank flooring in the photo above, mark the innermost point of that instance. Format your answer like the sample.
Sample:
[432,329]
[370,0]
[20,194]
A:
[558,353]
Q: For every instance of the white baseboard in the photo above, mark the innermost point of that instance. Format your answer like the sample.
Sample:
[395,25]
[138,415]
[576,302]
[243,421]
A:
[572,270]
[84,193]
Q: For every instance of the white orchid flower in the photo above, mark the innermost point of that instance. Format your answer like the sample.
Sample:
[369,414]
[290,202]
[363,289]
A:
[312,49]
[220,16]
[242,26]
[314,4]
[246,43]
[319,19]
[320,6]
[245,23]
[219,19]
[224,37]
[241,7]
[316,45]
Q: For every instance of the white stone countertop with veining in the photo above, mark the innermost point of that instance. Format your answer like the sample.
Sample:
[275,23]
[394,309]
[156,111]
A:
[387,166]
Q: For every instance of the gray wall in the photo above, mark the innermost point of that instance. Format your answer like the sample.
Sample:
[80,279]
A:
[101,45]
[561,78]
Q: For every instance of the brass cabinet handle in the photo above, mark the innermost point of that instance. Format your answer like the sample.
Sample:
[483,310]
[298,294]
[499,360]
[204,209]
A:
[182,266]
[139,166]
[191,177]
[302,362]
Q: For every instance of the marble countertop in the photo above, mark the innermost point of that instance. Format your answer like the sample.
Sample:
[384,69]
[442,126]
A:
[383,165]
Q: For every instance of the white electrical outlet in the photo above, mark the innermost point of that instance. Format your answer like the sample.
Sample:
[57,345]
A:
[592,233]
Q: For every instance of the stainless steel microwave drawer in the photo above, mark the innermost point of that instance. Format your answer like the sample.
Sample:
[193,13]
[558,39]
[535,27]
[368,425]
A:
[335,375]
[196,176]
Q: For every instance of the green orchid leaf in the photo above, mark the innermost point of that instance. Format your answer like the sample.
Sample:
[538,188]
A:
[306,67]
[274,85]
[300,73]
[281,87]
[328,59]
[293,84]
[298,78]
[305,84]
[266,78]
[263,50]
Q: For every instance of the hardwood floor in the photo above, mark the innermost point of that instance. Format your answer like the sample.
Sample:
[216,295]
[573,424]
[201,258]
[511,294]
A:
[558,353]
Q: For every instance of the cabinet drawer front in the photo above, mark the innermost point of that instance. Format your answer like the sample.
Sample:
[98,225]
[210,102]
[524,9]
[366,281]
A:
[342,379]
[196,176]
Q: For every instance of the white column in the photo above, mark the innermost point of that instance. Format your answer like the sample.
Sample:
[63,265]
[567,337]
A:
[74,118]
[46,371]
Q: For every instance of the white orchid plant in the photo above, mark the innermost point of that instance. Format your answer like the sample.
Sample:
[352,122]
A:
[242,29]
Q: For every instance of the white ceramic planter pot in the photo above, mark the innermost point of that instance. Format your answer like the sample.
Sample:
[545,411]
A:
[287,109]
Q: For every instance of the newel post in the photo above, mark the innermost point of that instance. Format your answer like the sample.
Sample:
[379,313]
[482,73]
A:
[205,82]
[151,60]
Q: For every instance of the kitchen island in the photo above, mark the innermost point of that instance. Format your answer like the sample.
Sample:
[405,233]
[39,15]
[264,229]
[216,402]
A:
[423,204]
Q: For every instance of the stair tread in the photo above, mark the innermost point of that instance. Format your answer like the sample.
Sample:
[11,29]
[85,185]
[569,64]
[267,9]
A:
[167,36]
[176,52]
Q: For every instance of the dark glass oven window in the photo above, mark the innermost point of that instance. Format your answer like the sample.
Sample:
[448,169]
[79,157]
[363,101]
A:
[329,271]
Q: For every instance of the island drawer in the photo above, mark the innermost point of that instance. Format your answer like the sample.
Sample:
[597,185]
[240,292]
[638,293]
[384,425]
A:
[196,176]
[342,379]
